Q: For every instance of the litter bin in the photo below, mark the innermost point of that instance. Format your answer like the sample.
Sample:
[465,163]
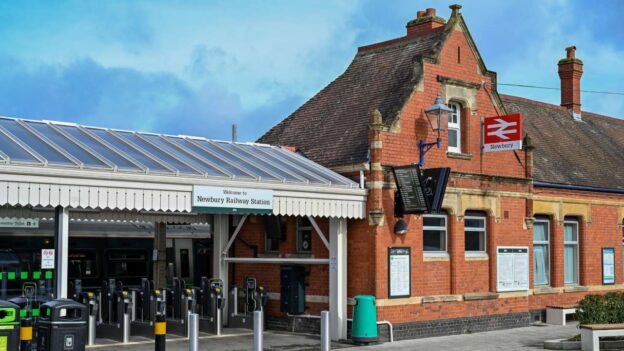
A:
[62,326]
[364,327]
[9,326]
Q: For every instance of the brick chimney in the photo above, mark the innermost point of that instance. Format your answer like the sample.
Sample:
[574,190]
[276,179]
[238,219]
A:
[425,22]
[570,72]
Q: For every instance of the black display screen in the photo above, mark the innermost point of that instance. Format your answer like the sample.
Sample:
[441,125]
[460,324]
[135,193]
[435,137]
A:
[410,187]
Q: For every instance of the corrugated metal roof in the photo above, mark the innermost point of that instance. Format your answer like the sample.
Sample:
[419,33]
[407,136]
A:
[67,145]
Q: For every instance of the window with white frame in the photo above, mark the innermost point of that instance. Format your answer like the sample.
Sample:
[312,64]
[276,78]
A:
[454,128]
[541,252]
[475,232]
[571,251]
[304,234]
[434,233]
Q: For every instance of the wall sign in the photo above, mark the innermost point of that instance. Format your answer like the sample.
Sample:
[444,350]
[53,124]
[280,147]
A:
[410,187]
[512,268]
[47,259]
[399,272]
[502,133]
[238,200]
[608,265]
[19,222]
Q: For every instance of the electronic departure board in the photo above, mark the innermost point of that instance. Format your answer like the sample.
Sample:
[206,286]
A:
[410,187]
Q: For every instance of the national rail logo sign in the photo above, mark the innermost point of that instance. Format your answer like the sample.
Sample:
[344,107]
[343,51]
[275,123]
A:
[502,133]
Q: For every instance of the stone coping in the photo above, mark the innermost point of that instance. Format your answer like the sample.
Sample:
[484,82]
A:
[613,326]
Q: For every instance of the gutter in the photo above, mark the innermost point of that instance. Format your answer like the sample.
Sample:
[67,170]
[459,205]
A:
[578,187]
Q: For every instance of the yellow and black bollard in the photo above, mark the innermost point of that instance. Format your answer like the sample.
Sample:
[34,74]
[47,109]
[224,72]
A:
[160,332]
[26,334]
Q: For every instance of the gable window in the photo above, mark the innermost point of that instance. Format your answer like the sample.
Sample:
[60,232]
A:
[304,235]
[541,249]
[571,251]
[454,128]
[434,233]
[474,232]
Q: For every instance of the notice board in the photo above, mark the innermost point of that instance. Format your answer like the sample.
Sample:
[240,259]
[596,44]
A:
[399,272]
[608,265]
[512,268]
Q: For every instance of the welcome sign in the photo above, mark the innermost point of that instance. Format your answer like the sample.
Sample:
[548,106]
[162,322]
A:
[237,200]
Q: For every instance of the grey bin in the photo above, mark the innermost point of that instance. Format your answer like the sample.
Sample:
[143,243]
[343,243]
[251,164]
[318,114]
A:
[62,326]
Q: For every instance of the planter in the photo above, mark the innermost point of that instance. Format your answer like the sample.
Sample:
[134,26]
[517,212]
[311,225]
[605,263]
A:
[565,344]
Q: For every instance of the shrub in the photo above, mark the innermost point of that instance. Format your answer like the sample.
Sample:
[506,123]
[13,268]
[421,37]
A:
[601,309]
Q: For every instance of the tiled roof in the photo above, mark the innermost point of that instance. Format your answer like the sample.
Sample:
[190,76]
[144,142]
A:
[589,152]
[332,127]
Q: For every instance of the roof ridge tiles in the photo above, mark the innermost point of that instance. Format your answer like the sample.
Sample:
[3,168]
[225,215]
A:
[557,107]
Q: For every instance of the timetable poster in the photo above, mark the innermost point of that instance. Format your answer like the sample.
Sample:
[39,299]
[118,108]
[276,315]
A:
[512,268]
[608,265]
[399,272]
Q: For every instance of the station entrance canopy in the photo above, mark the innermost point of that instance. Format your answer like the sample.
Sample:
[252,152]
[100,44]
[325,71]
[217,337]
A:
[50,164]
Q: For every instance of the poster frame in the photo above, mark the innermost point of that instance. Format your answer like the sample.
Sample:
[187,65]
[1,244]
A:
[409,256]
[606,249]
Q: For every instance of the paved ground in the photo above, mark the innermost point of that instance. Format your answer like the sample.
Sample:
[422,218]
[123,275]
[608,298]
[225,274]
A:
[525,339]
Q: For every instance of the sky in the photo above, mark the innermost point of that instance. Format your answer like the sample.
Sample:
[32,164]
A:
[197,67]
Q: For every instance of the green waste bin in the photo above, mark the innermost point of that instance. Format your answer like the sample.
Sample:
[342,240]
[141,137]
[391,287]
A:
[9,326]
[364,327]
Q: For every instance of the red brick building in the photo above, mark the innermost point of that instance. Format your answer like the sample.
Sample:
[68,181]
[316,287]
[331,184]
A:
[558,197]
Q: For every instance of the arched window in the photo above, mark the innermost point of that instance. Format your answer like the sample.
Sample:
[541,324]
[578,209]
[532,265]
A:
[571,251]
[541,251]
[454,128]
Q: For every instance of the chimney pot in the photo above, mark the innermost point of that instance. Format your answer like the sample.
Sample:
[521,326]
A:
[571,52]
[420,14]
[430,12]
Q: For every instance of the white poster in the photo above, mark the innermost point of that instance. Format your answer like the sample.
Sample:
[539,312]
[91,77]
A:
[399,272]
[47,259]
[512,268]
[239,200]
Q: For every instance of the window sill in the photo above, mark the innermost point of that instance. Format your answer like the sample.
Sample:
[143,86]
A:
[543,290]
[459,155]
[436,256]
[574,288]
[476,256]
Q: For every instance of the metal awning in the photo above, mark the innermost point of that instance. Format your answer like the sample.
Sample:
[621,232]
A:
[48,164]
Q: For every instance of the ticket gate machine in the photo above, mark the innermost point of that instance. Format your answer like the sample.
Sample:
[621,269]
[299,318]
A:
[213,302]
[115,311]
[91,300]
[254,298]
[179,302]
[149,303]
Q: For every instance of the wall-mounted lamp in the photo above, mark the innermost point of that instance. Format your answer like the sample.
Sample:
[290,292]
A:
[400,227]
[437,115]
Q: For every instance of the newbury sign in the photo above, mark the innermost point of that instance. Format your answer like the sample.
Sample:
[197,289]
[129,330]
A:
[502,133]
[237,200]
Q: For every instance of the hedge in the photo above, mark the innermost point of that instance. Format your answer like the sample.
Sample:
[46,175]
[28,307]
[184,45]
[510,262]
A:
[601,309]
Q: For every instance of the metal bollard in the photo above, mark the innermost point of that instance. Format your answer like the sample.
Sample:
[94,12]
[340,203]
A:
[219,321]
[258,330]
[26,334]
[160,333]
[193,332]
[325,339]
[92,324]
[126,318]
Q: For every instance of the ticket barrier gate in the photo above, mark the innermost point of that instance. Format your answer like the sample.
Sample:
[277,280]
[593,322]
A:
[115,312]
[253,297]
[212,303]
[148,303]
[91,301]
[183,301]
